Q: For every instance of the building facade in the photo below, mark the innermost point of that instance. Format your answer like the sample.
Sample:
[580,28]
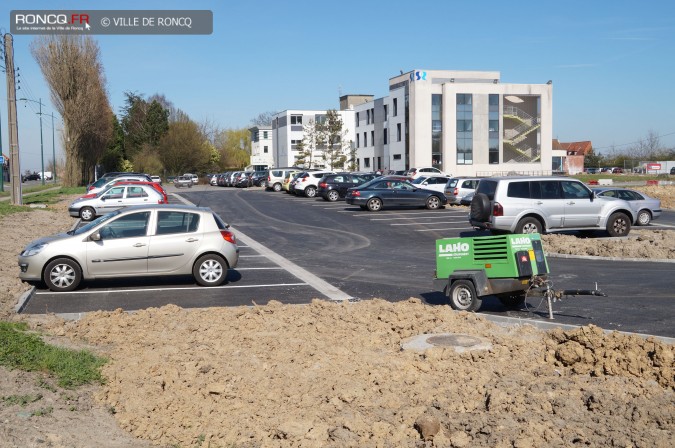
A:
[262,146]
[291,131]
[462,122]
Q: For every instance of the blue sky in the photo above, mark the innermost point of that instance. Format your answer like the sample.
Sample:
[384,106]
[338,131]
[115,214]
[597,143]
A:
[611,64]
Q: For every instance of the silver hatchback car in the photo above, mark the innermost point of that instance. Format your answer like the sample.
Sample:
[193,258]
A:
[136,241]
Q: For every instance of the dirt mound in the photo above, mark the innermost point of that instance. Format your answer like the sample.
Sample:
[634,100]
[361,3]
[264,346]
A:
[645,244]
[333,374]
[666,193]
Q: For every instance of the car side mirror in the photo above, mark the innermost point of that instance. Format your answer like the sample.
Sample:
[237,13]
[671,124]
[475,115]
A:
[103,198]
[96,236]
[425,183]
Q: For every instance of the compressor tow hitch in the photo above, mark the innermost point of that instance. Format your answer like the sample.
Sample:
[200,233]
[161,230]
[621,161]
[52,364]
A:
[553,296]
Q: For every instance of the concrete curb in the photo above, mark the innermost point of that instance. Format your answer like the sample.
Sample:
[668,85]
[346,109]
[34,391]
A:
[23,300]
[547,326]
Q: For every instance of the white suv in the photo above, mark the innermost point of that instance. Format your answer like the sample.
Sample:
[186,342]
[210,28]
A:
[308,182]
[546,204]
[414,173]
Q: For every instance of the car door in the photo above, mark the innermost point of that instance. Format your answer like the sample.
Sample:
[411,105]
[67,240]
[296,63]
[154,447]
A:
[123,247]
[580,210]
[406,194]
[176,240]
[549,202]
[137,195]
[111,200]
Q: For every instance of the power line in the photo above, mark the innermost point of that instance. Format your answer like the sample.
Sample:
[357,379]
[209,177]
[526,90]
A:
[633,143]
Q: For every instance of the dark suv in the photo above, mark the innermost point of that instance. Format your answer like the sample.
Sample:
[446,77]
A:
[334,186]
[32,176]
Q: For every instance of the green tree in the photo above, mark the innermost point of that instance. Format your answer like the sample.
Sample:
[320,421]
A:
[334,135]
[113,157]
[183,149]
[234,147]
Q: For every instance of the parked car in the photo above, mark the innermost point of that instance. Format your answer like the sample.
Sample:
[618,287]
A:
[30,176]
[152,240]
[114,198]
[308,182]
[332,187]
[466,200]
[193,177]
[232,178]
[276,176]
[112,181]
[414,173]
[617,171]
[546,204]
[182,181]
[213,180]
[458,187]
[258,178]
[109,175]
[646,208]
[436,183]
[672,170]
[156,179]
[591,170]
[244,180]
[382,192]
[154,185]
[289,181]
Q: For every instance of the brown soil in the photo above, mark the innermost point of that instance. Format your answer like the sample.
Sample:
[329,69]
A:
[334,374]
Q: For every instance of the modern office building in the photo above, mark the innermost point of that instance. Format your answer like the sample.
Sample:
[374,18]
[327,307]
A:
[262,145]
[290,127]
[462,122]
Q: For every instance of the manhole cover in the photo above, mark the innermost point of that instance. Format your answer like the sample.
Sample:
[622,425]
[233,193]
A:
[460,342]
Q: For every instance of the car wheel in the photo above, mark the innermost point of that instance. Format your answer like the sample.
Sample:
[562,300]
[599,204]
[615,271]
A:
[644,218]
[62,275]
[310,192]
[433,203]
[210,270]
[480,207]
[513,301]
[529,225]
[276,187]
[463,296]
[87,213]
[332,196]
[618,225]
[374,205]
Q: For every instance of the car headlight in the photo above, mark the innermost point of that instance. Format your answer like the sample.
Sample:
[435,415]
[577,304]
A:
[33,250]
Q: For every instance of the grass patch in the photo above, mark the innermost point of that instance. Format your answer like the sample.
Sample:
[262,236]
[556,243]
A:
[7,209]
[53,196]
[26,351]
[21,400]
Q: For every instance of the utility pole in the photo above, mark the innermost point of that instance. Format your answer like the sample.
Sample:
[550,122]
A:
[12,123]
[42,150]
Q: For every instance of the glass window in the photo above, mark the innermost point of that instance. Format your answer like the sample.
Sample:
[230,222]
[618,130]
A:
[386,112]
[574,190]
[357,119]
[398,132]
[397,156]
[550,190]
[296,119]
[518,190]
[384,136]
[176,222]
[264,134]
[365,139]
[372,138]
[358,140]
[366,162]
[395,107]
[114,193]
[128,226]
[136,192]
[265,149]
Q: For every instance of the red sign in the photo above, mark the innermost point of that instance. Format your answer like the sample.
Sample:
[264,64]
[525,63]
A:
[653,166]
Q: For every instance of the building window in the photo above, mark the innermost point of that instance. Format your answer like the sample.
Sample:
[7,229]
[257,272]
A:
[294,144]
[464,129]
[265,149]
[384,135]
[493,129]
[366,162]
[296,119]
[358,140]
[379,163]
[357,119]
[397,156]
[372,115]
[365,139]
[372,138]
[436,130]
[398,132]
[386,112]
[265,134]
[395,114]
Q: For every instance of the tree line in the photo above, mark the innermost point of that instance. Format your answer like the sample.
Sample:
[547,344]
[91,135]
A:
[150,134]
[646,149]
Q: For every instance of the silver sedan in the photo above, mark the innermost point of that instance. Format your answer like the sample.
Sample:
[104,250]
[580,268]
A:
[135,241]
[646,208]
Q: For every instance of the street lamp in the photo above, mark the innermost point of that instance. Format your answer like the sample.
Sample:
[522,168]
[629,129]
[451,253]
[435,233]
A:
[42,153]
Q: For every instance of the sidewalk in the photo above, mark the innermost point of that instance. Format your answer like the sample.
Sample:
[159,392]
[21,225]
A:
[8,190]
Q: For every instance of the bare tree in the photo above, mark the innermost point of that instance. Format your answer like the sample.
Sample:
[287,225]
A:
[263,119]
[71,65]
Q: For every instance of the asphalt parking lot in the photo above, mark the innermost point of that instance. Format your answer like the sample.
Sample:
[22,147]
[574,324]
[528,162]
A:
[295,249]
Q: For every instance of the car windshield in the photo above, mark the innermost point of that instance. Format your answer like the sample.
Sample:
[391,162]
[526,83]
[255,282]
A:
[419,180]
[101,219]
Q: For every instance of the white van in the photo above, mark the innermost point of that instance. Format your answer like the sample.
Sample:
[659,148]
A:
[194,177]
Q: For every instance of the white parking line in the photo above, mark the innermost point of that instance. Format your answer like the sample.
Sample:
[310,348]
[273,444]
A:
[312,280]
[250,256]
[416,217]
[188,288]
[418,223]
[444,228]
